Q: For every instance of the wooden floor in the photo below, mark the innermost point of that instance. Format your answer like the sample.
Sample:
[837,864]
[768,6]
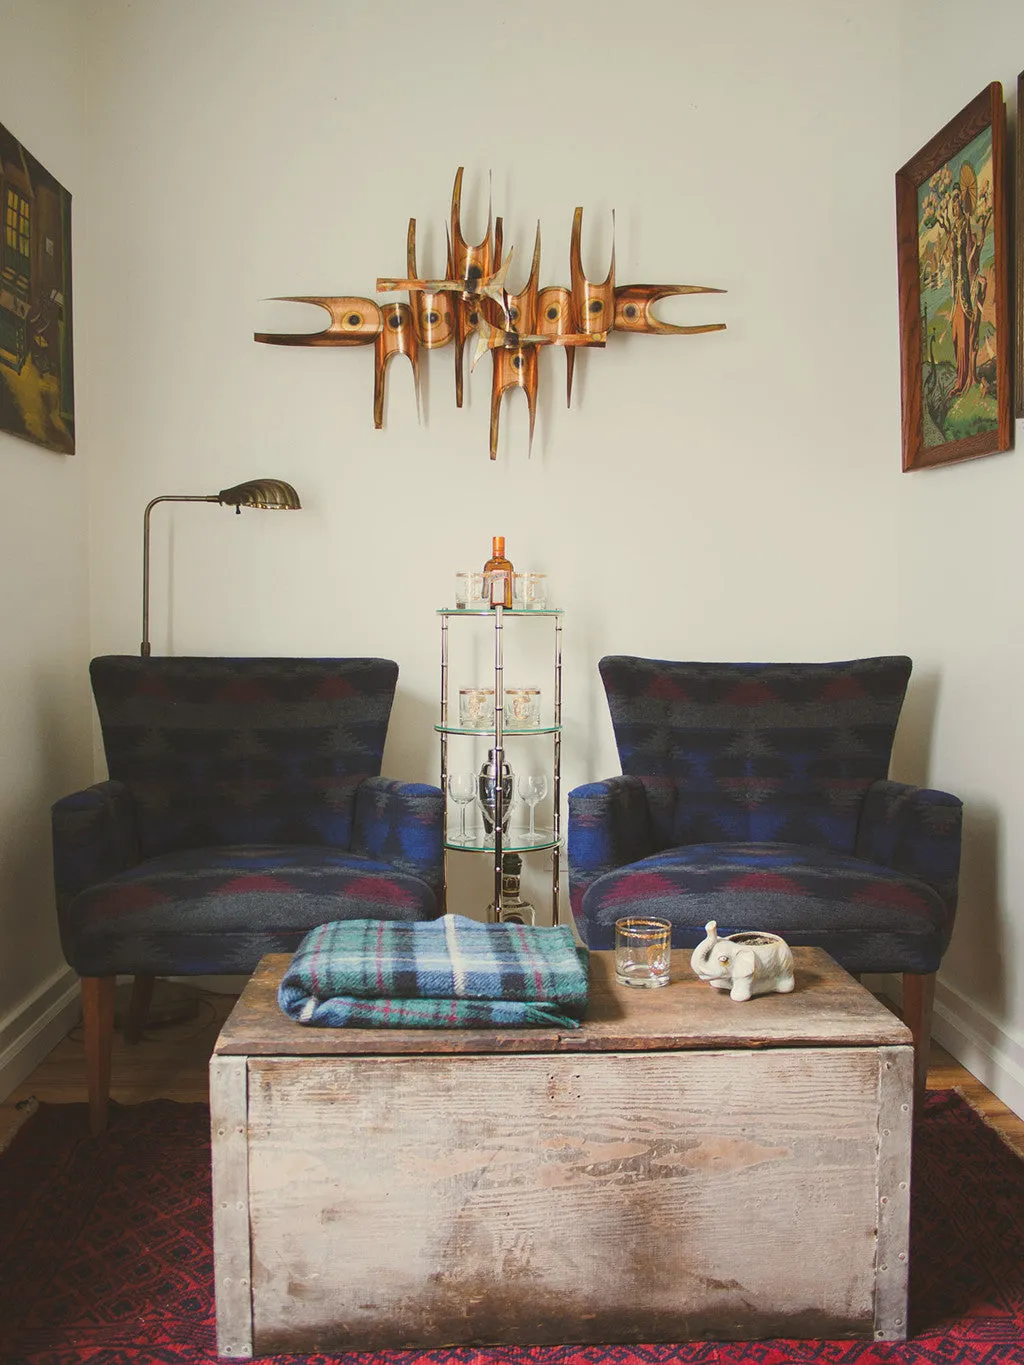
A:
[171,1063]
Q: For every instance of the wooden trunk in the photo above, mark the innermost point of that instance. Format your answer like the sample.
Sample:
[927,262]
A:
[683,1166]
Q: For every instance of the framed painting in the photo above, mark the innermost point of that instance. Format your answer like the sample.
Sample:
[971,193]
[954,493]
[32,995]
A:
[954,288]
[37,386]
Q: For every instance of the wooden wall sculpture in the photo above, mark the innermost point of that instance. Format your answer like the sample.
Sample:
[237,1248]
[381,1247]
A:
[473,299]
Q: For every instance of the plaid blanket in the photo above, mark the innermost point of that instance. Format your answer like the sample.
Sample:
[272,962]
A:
[452,972]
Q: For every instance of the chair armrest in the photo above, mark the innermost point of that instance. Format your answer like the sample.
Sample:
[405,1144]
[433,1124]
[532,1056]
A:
[94,837]
[609,826]
[914,830]
[402,823]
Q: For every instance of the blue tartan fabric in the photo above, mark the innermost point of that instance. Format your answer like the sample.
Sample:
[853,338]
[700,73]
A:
[757,795]
[451,973]
[244,805]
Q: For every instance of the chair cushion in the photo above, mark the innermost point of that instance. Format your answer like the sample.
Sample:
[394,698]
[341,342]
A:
[219,910]
[867,917]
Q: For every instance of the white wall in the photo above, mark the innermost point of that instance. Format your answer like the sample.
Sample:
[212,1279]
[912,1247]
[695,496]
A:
[44,707]
[961,606]
[716,496]
[735,495]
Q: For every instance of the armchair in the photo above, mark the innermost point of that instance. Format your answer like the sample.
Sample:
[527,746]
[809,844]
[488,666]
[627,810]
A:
[244,806]
[758,795]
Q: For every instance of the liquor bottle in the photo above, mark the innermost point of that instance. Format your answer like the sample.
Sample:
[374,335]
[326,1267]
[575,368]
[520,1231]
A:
[513,909]
[498,575]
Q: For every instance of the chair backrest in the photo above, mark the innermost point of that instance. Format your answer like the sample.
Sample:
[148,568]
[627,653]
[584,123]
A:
[737,752]
[242,751]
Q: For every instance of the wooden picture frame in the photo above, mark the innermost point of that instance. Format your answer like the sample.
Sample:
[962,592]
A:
[954,285]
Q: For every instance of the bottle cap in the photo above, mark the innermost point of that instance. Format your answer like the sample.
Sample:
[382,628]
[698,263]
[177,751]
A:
[498,545]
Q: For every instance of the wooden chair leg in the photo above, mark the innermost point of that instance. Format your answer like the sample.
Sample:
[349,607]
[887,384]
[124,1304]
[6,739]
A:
[98,1027]
[918,999]
[138,1009]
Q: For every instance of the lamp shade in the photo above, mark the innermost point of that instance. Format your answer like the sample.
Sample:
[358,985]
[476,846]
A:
[270,494]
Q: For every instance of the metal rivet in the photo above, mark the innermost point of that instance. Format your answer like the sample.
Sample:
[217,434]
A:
[884,1200]
[905,1108]
[903,1255]
[903,1184]
[898,1321]
[885,1132]
[883,1267]
[221,1132]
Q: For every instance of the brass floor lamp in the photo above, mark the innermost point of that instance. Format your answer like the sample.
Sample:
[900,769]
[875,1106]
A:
[268,494]
[148,1001]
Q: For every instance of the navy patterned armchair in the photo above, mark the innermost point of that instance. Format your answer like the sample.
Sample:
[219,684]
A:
[757,795]
[244,806]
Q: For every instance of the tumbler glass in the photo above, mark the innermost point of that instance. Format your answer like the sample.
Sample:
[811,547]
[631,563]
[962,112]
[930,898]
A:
[642,951]
[529,591]
[469,592]
[476,708]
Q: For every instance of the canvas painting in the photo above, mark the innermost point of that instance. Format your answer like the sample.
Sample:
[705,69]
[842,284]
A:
[37,390]
[956,254]
[955,343]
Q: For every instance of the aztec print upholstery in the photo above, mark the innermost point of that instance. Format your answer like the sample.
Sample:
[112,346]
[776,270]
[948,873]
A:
[757,795]
[244,807]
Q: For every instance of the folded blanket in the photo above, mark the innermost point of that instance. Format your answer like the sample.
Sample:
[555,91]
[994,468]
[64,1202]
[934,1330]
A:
[452,972]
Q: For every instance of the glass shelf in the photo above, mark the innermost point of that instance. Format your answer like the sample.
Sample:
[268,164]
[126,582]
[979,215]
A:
[508,611]
[506,730]
[515,841]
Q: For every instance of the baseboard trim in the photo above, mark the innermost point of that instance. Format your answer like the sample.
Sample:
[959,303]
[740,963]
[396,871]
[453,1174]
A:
[28,1033]
[977,1041]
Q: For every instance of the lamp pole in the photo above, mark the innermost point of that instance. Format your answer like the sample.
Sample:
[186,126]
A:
[165,497]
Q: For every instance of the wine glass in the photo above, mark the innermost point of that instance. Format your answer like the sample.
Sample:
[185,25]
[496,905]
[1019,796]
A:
[533,788]
[462,790]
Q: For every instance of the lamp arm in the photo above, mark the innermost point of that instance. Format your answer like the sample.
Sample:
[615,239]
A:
[164,497]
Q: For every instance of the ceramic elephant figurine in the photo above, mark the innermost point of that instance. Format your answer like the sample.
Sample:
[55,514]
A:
[745,964]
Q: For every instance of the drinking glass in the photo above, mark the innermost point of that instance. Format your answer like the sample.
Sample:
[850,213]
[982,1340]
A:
[642,951]
[533,788]
[469,592]
[462,790]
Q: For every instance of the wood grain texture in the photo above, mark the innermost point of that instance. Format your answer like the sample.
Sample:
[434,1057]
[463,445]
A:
[828,1007]
[895,1132]
[98,1029]
[418,1201]
[172,1062]
[230,1168]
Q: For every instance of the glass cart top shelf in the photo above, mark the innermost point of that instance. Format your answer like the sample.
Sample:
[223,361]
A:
[508,611]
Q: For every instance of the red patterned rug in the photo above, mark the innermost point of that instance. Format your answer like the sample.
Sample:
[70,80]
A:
[105,1254]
